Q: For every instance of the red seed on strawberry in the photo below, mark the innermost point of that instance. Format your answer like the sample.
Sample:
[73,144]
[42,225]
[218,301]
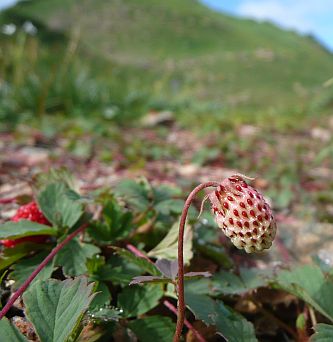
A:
[253,230]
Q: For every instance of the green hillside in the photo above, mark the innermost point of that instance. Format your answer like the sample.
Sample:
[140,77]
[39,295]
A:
[183,51]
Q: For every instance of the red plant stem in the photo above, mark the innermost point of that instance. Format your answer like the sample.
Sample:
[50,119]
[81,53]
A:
[181,295]
[137,252]
[7,200]
[186,322]
[34,274]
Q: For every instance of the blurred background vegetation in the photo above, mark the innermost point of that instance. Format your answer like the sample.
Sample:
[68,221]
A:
[256,98]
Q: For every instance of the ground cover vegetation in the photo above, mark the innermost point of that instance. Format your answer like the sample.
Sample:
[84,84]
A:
[108,119]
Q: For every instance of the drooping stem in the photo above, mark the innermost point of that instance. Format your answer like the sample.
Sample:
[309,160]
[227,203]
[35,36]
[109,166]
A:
[34,274]
[180,283]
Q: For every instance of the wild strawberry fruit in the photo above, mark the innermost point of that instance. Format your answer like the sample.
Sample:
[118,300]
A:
[29,212]
[243,214]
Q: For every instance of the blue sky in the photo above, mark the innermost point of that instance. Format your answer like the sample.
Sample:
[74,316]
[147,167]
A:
[305,16]
[6,3]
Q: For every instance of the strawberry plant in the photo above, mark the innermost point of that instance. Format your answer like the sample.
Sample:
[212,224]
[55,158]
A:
[109,265]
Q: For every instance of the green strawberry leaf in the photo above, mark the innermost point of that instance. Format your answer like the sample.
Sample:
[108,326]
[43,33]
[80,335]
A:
[153,328]
[73,257]
[144,264]
[15,230]
[9,332]
[55,308]
[249,279]
[116,270]
[309,283]
[25,267]
[60,205]
[11,255]
[136,193]
[60,175]
[135,300]
[323,333]
[170,206]
[102,297]
[115,225]
[231,325]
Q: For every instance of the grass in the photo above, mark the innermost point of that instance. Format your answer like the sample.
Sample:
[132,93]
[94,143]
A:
[190,54]
[233,73]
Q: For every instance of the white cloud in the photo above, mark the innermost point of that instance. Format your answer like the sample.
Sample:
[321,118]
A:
[305,16]
[297,14]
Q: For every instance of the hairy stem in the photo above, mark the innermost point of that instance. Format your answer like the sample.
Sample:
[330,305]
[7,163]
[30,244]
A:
[180,287]
[34,274]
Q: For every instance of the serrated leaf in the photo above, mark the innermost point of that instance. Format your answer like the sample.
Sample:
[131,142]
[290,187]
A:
[153,328]
[118,275]
[323,333]
[15,230]
[102,297]
[232,326]
[117,270]
[249,279]
[100,271]
[9,333]
[60,205]
[211,251]
[228,283]
[199,286]
[202,306]
[168,247]
[73,257]
[135,193]
[95,266]
[115,225]
[24,268]
[60,175]
[310,284]
[137,300]
[164,192]
[170,206]
[55,307]
[11,255]
[140,262]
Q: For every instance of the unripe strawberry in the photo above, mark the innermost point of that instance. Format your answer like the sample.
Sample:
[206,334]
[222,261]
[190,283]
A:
[29,212]
[243,214]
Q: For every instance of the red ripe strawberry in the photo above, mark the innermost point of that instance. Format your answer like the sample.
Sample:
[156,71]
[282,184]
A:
[29,212]
[243,214]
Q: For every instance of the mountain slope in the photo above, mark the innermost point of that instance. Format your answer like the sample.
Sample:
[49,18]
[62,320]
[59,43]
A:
[186,50]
